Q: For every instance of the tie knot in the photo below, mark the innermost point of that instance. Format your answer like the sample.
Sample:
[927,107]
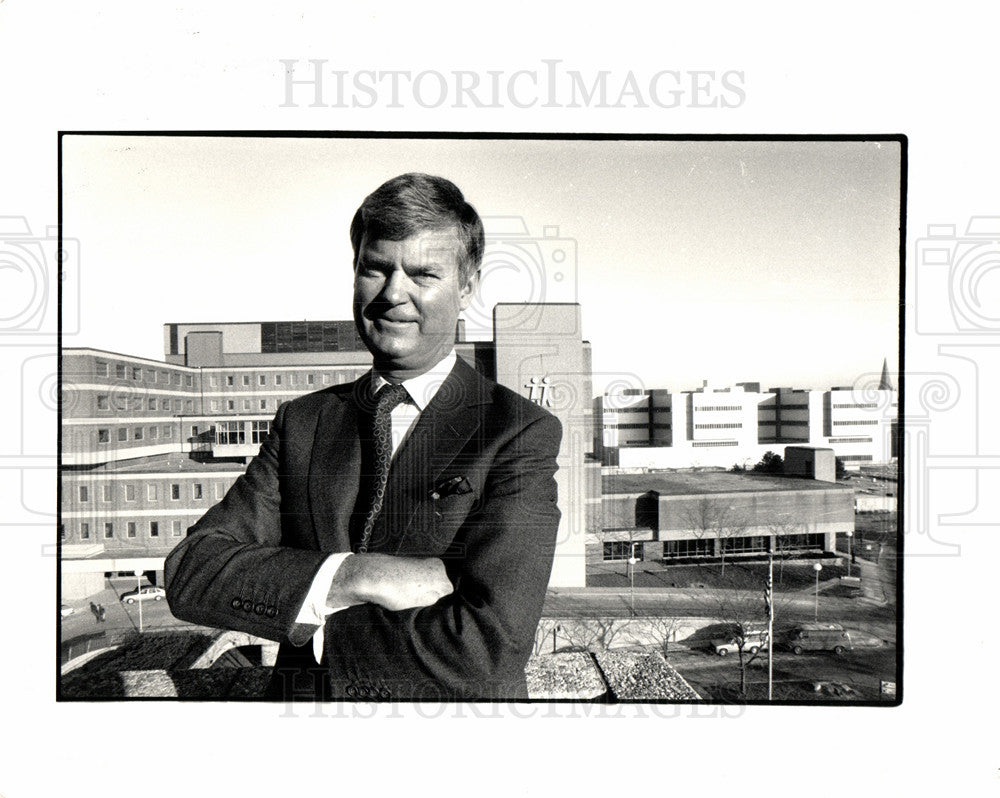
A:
[389,397]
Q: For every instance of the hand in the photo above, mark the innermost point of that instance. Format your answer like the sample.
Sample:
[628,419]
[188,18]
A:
[396,583]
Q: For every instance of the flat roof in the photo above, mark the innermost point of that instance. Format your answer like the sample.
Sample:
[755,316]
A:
[687,483]
[173,463]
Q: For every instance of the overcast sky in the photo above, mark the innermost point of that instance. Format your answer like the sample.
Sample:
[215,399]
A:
[775,262]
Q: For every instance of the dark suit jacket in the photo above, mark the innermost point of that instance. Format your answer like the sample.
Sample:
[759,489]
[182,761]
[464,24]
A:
[248,563]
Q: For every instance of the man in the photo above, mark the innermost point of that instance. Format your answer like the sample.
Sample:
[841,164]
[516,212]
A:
[396,535]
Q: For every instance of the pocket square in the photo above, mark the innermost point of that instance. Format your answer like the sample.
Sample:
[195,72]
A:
[456,486]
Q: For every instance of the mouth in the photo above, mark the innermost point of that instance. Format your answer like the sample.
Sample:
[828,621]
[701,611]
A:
[383,322]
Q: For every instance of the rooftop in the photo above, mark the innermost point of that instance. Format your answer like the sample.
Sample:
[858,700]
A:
[173,463]
[686,483]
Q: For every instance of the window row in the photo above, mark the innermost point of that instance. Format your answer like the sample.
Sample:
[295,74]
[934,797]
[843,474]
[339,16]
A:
[718,407]
[863,423]
[853,406]
[714,443]
[131,529]
[124,434]
[849,440]
[623,550]
[120,403]
[153,490]
[123,372]
[291,378]
[718,426]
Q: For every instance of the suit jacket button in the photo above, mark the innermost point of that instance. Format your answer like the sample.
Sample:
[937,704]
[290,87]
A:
[236,604]
[351,691]
[259,609]
[248,606]
[384,693]
[271,611]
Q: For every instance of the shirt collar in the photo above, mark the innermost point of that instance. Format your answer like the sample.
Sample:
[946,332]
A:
[423,387]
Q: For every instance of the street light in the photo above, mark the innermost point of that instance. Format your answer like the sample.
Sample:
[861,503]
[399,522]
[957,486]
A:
[817,568]
[631,576]
[138,596]
[850,551]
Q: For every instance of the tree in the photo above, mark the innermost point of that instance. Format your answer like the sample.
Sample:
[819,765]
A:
[715,519]
[770,463]
[841,469]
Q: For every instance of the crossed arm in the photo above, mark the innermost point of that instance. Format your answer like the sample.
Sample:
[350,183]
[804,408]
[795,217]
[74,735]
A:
[464,626]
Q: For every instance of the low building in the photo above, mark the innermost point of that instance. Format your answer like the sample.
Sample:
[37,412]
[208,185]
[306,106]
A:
[674,515]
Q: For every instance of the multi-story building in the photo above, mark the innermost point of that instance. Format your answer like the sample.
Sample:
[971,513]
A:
[148,446]
[720,427]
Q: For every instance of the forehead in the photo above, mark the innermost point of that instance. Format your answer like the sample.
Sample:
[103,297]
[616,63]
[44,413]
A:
[427,248]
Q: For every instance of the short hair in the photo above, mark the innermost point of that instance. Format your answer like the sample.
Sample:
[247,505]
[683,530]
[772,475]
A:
[415,203]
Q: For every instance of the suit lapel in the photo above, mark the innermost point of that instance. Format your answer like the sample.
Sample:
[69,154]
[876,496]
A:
[334,472]
[444,428]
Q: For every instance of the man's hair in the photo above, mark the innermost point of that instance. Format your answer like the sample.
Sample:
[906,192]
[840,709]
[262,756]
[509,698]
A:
[415,203]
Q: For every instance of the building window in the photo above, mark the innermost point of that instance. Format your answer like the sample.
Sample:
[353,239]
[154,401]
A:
[136,373]
[151,493]
[697,547]
[109,530]
[189,380]
[129,492]
[103,436]
[137,433]
[230,433]
[84,531]
[189,405]
[154,529]
[102,368]
[108,491]
[229,379]
[166,404]
[152,375]
[246,380]
[621,549]
[213,380]
[175,491]
[175,529]
[130,529]
[84,493]
[263,404]
[197,491]
[152,403]
[259,431]
[102,402]
[120,371]
[220,490]
[122,434]
[154,433]
[277,379]
[261,379]
[246,404]
[213,404]
[291,379]
[326,379]
[194,430]
[168,432]
[230,404]
[310,379]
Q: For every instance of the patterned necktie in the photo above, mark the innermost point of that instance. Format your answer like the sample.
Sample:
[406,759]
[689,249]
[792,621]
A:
[388,397]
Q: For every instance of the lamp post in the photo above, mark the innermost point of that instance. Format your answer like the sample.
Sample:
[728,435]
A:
[817,568]
[631,576]
[850,550]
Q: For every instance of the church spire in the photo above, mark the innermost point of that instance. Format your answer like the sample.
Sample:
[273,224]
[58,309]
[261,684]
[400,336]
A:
[885,384]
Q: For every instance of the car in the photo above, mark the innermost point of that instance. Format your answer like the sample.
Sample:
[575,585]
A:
[65,609]
[752,643]
[820,637]
[146,593]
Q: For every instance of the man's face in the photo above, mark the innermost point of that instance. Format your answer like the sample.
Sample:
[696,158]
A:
[407,297]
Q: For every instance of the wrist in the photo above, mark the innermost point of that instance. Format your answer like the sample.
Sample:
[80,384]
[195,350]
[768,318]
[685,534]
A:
[347,587]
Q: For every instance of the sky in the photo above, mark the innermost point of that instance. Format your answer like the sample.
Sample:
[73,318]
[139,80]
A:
[772,262]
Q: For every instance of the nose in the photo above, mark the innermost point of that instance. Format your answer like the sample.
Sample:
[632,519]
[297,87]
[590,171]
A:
[394,290]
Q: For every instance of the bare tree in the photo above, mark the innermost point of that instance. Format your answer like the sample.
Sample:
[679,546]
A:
[715,519]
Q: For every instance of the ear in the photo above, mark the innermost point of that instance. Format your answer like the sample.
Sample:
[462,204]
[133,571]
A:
[468,291]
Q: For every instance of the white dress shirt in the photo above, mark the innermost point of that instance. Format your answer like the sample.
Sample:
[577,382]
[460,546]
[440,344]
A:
[420,389]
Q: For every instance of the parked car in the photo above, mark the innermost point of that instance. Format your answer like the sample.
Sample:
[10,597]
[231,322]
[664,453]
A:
[149,592]
[65,609]
[820,637]
[753,642]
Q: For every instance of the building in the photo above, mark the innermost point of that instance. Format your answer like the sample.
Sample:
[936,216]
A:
[690,514]
[148,446]
[721,427]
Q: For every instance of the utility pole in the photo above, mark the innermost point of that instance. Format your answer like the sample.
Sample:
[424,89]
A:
[769,606]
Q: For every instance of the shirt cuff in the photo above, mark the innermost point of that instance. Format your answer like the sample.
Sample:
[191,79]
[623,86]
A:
[314,610]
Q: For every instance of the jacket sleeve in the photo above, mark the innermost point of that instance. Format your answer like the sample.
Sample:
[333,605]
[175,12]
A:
[475,642]
[230,571]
